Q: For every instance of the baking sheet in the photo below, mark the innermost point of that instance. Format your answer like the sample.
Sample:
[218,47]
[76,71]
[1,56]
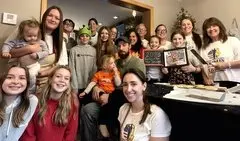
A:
[183,95]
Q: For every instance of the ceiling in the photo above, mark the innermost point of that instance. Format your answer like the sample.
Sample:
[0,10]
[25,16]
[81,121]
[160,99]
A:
[80,11]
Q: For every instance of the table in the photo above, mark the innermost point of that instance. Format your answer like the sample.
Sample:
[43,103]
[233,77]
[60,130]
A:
[193,121]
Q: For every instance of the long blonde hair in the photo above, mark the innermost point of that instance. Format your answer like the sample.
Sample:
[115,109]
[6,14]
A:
[65,103]
[23,106]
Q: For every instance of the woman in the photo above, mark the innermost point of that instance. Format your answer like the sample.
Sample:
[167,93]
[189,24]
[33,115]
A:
[114,33]
[161,32]
[104,44]
[222,52]
[136,43]
[149,122]
[56,117]
[93,25]
[52,34]
[17,106]
[193,41]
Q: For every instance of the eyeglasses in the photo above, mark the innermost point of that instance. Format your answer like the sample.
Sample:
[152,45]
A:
[162,31]
[69,24]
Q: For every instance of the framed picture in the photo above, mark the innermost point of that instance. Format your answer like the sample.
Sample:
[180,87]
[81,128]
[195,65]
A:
[153,57]
[175,57]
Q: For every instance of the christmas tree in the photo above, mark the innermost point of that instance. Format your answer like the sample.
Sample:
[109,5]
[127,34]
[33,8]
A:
[182,14]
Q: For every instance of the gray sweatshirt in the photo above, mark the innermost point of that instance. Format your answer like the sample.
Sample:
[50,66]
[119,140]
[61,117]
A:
[82,62]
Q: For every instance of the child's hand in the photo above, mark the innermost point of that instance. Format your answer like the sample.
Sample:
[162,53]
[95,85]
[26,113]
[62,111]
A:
[165,70]
[6,55]
[81,95]
[34,56]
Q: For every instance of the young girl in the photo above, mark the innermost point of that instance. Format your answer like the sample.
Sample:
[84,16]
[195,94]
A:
[148,121]
[154,73]
[182,75]
[56,117]
[106,79]
[17,106]
[28,34]
[104,44]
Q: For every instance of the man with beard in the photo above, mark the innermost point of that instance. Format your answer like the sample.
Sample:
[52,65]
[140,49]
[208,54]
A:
[90,112]
[127,61]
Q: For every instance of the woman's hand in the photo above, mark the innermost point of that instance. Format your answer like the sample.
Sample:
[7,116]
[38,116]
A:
[164,70]
[220,65]
[95,93]
[35,48]
[189,68]
[124,135]
[29,49]
[104,99]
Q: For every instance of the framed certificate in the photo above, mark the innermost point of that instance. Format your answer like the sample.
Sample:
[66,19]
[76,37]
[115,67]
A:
[175,57]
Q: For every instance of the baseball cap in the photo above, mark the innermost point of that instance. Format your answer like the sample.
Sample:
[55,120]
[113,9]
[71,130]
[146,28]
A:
[122,38]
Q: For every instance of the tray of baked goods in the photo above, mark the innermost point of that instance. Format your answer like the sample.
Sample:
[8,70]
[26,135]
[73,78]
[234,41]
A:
[213,95]
[201,87]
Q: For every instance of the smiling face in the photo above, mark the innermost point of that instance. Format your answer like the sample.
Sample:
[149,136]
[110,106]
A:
[142,30]
[178,40]
[133,38]
[154,43]
[104,35]
[93,25]
[133,88]
[213,32]
[15,82]
[161,32]
[52,20]
[113,33]
[60,81]
[186,26]
[84,39]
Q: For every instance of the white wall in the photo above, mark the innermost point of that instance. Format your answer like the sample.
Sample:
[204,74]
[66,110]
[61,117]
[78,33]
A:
[164,11]
[224,10]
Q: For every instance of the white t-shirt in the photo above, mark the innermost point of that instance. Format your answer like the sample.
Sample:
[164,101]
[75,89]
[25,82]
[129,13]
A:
[156,124]
[93,40]
[223,52]
[63,59]
[145,43]
[190,43]
[166,46]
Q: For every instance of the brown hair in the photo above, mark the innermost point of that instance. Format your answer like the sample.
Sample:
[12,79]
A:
[195,36]
[65,104]
[57,34]
[109,46]
[208,23]
[155,36]
[177,32]
[142,77]
[33,23]
[156,29]
[23,106]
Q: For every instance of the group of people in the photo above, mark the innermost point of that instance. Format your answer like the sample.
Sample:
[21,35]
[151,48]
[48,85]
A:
[52,73]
